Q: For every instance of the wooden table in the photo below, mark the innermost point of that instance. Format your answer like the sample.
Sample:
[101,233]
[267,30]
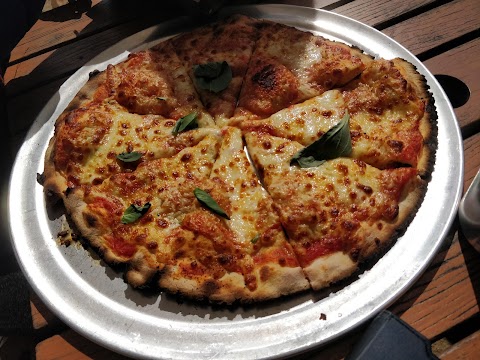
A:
[443,304]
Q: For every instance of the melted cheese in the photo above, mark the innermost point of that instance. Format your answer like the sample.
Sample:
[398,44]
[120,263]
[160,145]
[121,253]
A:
[89,141]
[156,82]
[329,208]
[251,206]
[289,66]
[385,115]
[304,122]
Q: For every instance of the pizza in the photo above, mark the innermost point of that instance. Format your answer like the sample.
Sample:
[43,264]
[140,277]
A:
[244,160]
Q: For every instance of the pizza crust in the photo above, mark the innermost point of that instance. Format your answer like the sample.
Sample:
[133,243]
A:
[232,287]
[328,269]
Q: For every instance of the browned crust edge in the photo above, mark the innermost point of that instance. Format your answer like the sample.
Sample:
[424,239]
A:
[428,123]
[232,288]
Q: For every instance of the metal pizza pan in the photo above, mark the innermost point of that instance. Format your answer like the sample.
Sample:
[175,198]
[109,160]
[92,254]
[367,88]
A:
[94,300]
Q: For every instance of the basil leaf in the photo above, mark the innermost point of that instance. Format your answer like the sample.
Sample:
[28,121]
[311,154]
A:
[255,239]
[209,70]
[187,122]
[134,212]
[129,156]
[213,76]
[205,199]
[334,143]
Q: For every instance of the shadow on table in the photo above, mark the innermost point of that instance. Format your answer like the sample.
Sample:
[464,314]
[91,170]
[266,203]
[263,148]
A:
[406,301]
[472,261]
[72,10]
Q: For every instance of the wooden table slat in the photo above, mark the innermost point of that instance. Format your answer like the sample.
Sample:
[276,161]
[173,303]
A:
[471,148]
[71,57]
[45,34]
[444,296]
[374,13]
[317,4]
[462,63]
[466,349]
[435,27]
[70,345]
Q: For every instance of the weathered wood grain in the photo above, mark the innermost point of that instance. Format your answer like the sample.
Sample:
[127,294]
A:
[466,349]
[462,63]
[471,148]
[374,13]
[437,26]
[69,58]
[72,346]
[446,294]
[53,4]
[45,34]
[317,4]
[25,68]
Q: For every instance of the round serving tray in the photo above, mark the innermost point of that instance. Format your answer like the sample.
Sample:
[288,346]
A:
[93,299]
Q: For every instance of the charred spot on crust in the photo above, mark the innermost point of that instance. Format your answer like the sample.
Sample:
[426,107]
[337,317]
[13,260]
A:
[265,77]
[90,220]
[40,179]
[93,73]
[209,287]
[251,282]
[355,254]
[391,212]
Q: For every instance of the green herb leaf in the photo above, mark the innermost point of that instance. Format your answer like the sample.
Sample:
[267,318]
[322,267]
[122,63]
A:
[213,76]
[255,239]
[334,143]
[162,98]
[187,122]
[134,212]
[205,199]
[129,156]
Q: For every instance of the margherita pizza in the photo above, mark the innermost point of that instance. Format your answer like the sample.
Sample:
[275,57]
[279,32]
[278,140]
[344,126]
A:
[244,160]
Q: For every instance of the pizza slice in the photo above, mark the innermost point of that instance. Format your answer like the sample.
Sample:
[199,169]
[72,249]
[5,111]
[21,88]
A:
[392,115]
[101,139]
[336,214]
[153,81]
[244,257]
[275,269]
[386,110]
[135,217]
[216,57]
[289,66]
